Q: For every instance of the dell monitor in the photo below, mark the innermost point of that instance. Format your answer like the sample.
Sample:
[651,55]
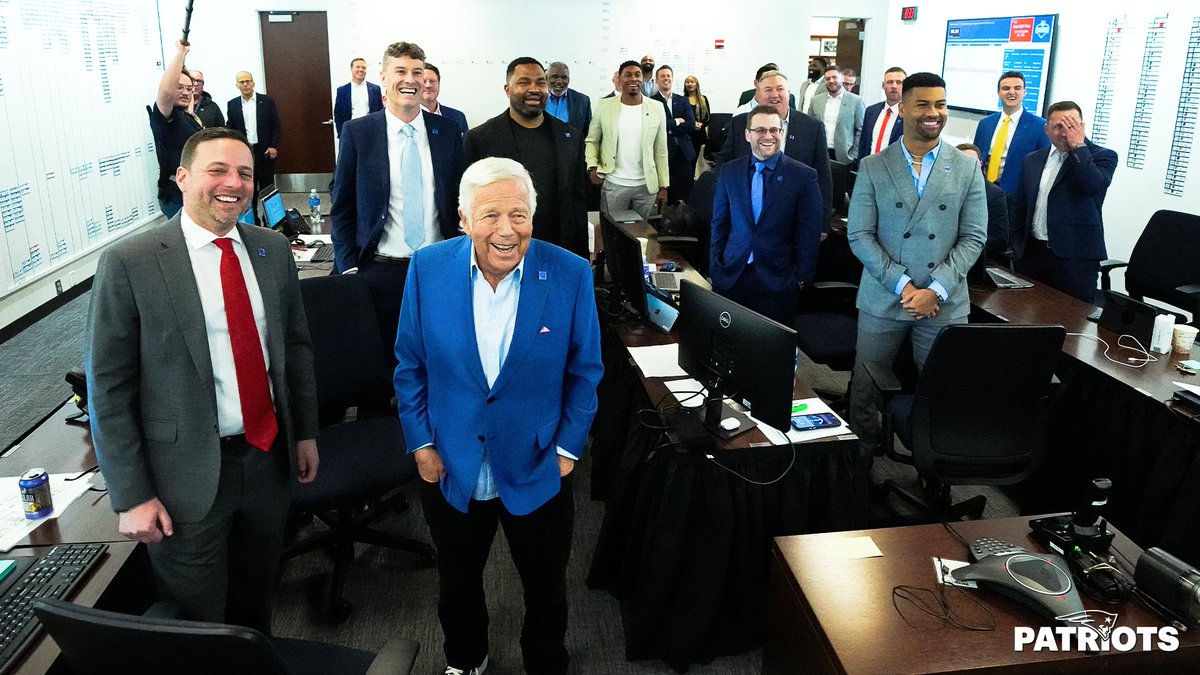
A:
[733,350]
[623,255]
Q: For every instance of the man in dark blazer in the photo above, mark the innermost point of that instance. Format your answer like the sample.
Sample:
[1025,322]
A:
[565,103]
[803,137]
[431,89]
[496,404]
[681,121]
[266,135]
[996,250]
[368,96]
[761,259]
[550,150]
[918,221]
[1025,133]
[882,125]
[377,220]
[1058,229]
[201,392]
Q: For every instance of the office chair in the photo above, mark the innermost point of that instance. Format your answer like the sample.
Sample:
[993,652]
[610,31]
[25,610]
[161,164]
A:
[977,415]
[363,460]
[703,191]
[96,641]
[827,320]
[718,127]
[1163,263]
[839,173]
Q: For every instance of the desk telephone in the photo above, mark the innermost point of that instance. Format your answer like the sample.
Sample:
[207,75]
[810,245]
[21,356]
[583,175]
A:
[1040,581]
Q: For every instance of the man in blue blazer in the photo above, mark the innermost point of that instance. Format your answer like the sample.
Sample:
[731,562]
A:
[681,120]
[1059,240]
[356,95]
[882,125]
[918,221]
[766,223]
[1025,133]
[499,360]
[378,220]
[565,103]
[429,99]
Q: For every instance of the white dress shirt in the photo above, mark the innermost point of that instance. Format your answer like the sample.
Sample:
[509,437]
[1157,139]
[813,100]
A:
[206,266]
[1054,164]
[360,104]
[833,109]
[250,115]
[392,243]
[887,132]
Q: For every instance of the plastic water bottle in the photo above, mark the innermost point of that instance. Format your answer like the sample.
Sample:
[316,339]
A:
[314,206]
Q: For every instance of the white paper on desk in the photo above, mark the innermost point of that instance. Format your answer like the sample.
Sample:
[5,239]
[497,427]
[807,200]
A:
[14,526]
[658,360]
[1190,387]
[944,569]
[308,239]
[303,254]
[851,548]
[685,392]
[815,406]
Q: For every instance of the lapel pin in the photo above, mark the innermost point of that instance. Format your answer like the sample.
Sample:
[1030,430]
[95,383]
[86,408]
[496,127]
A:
[541,275]
[434,132]
[568,134]
[946,168]
[262,253]
[778,179]
[544,330]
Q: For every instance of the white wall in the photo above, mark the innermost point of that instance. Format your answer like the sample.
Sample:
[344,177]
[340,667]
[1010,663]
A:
[1135,194]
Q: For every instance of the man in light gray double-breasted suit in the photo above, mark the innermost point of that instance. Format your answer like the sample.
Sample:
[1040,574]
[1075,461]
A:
[202,397]
[918,221]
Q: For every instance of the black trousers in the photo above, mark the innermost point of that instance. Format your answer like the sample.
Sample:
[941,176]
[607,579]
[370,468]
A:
[1073,276]
[541,545]
[682,172]
[222,568]
[385,277]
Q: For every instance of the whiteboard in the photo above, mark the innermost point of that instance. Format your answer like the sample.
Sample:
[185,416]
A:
[77,162]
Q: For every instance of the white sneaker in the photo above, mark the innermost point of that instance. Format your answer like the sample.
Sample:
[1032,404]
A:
[477,670]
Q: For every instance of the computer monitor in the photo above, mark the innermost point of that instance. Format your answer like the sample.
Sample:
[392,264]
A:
[273,210]
[735,351]
[623,255]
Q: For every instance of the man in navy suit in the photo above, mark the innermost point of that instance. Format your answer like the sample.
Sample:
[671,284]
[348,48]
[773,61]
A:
[681,120]
[432,88]
[567,104]
[499,359]
[256,116]
[1058,228]
[387,203]
[357,97]
[766,223]
[1023,134]
[882,125]
[803,136]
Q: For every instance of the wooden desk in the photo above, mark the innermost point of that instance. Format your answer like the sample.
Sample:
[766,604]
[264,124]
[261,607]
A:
[837,616]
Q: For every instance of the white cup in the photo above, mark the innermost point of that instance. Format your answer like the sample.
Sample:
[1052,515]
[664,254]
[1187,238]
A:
[1184,338]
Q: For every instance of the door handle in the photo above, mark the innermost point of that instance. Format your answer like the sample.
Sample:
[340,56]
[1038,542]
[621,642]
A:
[328,121]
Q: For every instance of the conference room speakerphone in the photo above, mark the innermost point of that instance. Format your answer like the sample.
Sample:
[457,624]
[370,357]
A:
[56,574]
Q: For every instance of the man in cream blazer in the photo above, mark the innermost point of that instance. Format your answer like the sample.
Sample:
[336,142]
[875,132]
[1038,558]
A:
[626,148]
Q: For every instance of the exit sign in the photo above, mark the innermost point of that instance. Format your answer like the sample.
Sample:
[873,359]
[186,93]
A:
[908,13]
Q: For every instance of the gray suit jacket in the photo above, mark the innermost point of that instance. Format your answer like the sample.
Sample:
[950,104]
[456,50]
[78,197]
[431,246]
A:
[152,401]
[937,236]
[849,123]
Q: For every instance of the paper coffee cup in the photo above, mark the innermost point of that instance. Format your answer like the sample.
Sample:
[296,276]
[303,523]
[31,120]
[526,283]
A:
[1183,339]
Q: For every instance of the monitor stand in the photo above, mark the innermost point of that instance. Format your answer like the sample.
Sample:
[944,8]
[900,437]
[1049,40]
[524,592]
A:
[695,428]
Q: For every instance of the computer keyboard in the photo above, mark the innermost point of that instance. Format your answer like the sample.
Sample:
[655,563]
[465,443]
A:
[323,254]
[1005,280]
[666,281]
[55,575]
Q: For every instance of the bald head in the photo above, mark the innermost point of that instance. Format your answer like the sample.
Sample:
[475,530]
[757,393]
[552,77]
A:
[245,84]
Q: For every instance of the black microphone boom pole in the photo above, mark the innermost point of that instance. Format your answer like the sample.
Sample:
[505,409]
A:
[187,22]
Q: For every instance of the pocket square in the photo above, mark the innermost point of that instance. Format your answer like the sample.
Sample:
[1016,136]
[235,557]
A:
[544,330]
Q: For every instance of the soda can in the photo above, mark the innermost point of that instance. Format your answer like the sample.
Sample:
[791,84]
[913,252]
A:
[35,493]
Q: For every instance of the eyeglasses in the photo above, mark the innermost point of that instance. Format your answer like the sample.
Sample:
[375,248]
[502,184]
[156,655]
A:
[763,131]
[198,82]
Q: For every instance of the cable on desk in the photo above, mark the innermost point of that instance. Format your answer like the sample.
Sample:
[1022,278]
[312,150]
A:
[1097,578]
[1139,362]
[791,463]
[936,604]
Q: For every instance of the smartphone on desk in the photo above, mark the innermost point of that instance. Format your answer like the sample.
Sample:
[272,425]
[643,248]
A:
[814,421]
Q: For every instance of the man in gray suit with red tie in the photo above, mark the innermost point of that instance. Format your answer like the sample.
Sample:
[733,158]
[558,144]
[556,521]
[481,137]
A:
[202,399]
[918,221]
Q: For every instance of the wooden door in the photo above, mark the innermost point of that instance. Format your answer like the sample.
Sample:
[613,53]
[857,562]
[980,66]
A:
[295,48]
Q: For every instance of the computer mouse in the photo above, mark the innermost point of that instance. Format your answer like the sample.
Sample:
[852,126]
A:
[730,423]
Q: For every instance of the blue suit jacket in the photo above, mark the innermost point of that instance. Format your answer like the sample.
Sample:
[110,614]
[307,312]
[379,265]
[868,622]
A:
[1029,136]
[458,116]
[679,135]
[788,233]
[544,396]
[341,104]
[866,141]
[362,184]
[1073,209]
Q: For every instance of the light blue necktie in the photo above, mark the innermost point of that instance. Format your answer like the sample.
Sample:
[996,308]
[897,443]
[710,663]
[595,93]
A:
[756,197]
[414,190]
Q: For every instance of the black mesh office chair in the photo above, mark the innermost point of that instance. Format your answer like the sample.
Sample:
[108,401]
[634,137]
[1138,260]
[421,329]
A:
[1163,264]
[977,415]
[362,461]
[718,128]
[827,320]
[99,642]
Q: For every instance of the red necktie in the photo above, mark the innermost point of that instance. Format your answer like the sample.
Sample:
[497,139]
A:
[258,412]
[879,139]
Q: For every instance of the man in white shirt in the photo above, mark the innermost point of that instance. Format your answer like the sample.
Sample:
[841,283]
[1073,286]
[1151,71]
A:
[810,87]
[256,116]
[626,148]
[842,113]
[357,97]
[882,125]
